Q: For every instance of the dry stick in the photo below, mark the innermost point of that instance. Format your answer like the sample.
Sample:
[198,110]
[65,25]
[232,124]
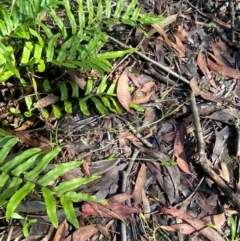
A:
[202,161]
[152,61]
[124,189]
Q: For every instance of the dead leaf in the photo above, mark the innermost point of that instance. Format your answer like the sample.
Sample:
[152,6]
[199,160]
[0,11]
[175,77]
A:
[86,164]
[179,151]
[203,67]
[123,94]
[61,232]
[83,234]
[204,94]
[183,228]
[114,209]
[139,185]
[180,48]
[141,98]
[25,126]
[46,101]
[222,68]
[162,32]
[81,82]
[132,138]
[197,224]
[30,140]
[180,32]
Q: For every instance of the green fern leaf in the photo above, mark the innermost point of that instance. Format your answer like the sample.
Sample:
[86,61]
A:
[3,177]
[19,159]
[37,35]
[70,16]
[108,7]
[107,103]
[100,107]
[6,144]
[83,107]
[118,9]
[58,171]
[75,88]
[17,197]
[64,91]
[51,206]
[90,11]
[115,54]
[7,19]
[74,183]
[57,111]
[130,9]
[50,47]
[76,197]
[102,87]
[26,53]
[46,158]
[99,10]
[89,86]
[81,16]
[26,165]
[69,210]
[10,189]
[59,22]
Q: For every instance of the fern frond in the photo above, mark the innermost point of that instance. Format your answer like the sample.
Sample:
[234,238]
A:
[25,172]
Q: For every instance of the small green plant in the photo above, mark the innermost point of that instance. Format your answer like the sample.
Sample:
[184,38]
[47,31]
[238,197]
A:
[25,172]
[35,40]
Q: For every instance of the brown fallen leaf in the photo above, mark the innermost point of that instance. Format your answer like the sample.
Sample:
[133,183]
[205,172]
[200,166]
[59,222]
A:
[180,48]
[197,224]
[25,126]
[179,151]
[204,94]
[30,140]
[61,232]
[180,32]
[162,32]
[139,185]
[132,138]
[123,93]
[114,209]
[46,101]
[141,98]
[81,82]
[203,67]
[83,234]
[222,68]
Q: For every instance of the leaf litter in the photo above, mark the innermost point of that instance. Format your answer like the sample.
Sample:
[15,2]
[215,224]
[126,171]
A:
[165,191]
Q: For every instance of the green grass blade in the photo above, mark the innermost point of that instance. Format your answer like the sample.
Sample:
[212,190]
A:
[74,183]
[17,197]
[51,206]
[6,144]
[69,211]
[58,171]
[46,158]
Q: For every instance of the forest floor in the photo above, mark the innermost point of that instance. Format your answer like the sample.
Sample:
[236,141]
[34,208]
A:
[169,166]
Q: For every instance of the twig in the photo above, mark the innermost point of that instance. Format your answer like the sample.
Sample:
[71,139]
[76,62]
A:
[166,69]
[124,188]
[203,162]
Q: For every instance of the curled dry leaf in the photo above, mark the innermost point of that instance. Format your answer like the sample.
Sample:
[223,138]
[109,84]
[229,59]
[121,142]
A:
[139,185]
[204,94]
[61,232]
[123,94]
[81,82]
[141,98]
[128,135]
[46,101]
[180,48]
[162,32]
[180,32]
[179,151]
[83,234]
[203,67]
[222,68]
[197,224]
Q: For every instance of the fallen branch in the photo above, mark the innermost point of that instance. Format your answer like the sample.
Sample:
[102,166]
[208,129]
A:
[203,162]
